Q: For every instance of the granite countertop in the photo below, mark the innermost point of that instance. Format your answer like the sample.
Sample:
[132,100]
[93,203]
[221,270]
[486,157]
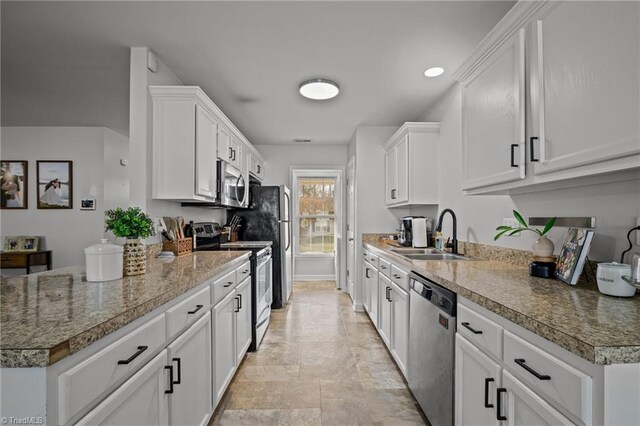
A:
[599,328]
[47,316]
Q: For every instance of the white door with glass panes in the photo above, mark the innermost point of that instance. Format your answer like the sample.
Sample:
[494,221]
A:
[316,216]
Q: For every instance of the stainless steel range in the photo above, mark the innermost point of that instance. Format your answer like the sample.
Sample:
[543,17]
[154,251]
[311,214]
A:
[208,238]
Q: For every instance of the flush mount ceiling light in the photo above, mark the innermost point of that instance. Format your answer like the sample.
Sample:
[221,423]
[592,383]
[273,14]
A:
[319,89]
[434,72]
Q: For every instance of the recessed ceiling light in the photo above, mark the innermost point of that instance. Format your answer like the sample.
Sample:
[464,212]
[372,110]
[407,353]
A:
[434,72]
[319,89]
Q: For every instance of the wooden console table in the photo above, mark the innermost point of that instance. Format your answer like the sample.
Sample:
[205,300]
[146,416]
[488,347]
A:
[25,259]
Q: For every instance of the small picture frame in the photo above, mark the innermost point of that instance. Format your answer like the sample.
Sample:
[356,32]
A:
[12,244]
[55,184]
[14,176]
[88,204]
[21,243]
[29,243]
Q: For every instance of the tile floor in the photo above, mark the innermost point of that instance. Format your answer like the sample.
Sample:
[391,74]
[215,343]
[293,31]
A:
[320,363]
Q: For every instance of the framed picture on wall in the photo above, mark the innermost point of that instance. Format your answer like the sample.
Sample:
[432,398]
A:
[55,184]
[13,177]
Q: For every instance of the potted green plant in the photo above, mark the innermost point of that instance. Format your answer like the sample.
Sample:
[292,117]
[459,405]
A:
[542,247]
[134,225]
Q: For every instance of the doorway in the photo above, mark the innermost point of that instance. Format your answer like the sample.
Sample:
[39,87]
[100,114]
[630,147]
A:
[317,224]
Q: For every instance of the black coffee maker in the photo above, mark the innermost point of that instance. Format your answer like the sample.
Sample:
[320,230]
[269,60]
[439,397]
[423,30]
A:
[406,231]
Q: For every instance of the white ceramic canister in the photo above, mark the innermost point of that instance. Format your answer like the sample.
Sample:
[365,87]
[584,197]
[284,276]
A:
[609,278]
[104,261]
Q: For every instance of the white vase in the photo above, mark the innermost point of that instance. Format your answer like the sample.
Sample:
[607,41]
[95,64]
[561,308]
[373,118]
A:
[134,257]
[542,247]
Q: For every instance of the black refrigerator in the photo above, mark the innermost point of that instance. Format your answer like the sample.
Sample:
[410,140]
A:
[268,218]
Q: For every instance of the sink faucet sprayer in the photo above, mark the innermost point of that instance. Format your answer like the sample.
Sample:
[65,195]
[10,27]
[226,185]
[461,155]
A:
[454,243]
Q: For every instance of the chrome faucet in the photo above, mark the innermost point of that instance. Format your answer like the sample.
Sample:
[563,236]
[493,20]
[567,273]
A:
[454,243]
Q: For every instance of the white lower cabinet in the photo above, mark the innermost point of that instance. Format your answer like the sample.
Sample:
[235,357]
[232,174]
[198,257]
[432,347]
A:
[399,326]
[522,406]
[231,335]
[477,378]
[243,323]
[520,382]
[384,315]
[141,400]
[224,350]
[189,359]
[370,291]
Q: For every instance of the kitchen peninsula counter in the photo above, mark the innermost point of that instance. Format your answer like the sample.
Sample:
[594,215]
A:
[599,328]
[48,316]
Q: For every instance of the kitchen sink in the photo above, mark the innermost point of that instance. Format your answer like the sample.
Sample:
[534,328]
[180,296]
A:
[436,256]
[418,251]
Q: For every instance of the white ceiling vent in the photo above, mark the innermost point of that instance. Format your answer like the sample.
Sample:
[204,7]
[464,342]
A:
[302,140]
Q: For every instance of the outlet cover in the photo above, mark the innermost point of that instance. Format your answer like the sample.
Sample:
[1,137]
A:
[511,221]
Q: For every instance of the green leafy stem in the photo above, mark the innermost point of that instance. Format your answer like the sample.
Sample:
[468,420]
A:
[129,223]
[510,230]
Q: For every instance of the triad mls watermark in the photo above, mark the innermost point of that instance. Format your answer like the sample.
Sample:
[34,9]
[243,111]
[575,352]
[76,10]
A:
[26,420]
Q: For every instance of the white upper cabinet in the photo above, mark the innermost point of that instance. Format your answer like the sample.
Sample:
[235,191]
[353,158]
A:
[189,133]
[580,120]
[184,140]
[411,165]
[224,144]
[493,118]
[586,79]
[206,130]
[256,167]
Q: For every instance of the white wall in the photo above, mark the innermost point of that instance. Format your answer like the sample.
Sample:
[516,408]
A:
[141,139]
[615,205]
[96,153]
[279,159]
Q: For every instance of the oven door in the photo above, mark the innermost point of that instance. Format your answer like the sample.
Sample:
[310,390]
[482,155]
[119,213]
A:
[232,188]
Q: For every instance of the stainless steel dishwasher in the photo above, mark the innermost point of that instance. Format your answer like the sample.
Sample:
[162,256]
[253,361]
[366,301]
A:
[432,332]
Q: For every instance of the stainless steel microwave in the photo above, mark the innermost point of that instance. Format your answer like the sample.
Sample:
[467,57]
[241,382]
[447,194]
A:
[232,190]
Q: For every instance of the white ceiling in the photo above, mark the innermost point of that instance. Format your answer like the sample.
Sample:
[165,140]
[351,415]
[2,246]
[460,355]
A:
[67,63]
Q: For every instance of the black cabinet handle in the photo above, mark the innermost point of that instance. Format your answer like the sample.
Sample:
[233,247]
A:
[228,284]
[170,368]
[234,154]
[396,276]
[178,381]
[388,294]
[522,363]
[499,416]
[533,157]
[383,267]
[366,273]
[239,301]
[486,392]
[134,356]
[393,194]
[245,272]
[513,155]
[258,166]
[230,153]
[237,309]
[198,307]
[468,327]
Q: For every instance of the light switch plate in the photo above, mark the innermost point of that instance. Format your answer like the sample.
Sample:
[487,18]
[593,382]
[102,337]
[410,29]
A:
[511,221]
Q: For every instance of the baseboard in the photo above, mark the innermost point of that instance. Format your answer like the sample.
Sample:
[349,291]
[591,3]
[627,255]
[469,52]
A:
[358,307]
[314,277]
